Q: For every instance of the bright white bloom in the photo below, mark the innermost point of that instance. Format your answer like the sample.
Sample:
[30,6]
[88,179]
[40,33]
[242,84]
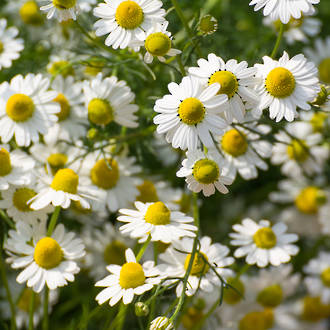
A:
[26,109]
[205,172]
[109,99]
[46,259]
[284,9]
[127,20]
[176,261]
[262,243]
[63,10]
[236,80]
[318,277]
[190,113]
[128,280]
[161,323]
[10,46]
[285,85]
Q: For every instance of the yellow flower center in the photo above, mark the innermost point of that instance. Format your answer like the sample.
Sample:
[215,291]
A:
[66,180]
[20,107]
[230,296]
[95,65]
[1,47]
[76,207]
[100,112]
[265,238]
[206,171]
[280,82]
[105,173]
[5,163]
[64,4]
[20,198]
[158,214]
[298,150]
[257,320]
[227,81]
[131,275]
[325,276]
[48,253]
[129,15]
[114,253]
[148,192]
[24,300]
[234,143]
[314,310]
[271,296]
[208,24]
[309,199]
[158,44]
[318,121]
[65,107]
[30,13]
[199,266]
[191,111]
[57,161]
[324,70]
[64,68]
[191,317]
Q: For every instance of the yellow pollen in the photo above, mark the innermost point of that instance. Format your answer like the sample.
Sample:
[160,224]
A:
[64,4]
[325,276]
[100,112]
[20,107]
[265,238]
[191,111]
[57,161]
[114,253]
[5,163]
[318,121]
[64,68]
[314,310]
[309,199]
[131,275]
[234,143]
[324,70]
[148,192]
[257,321]
[206,171]
[66,180]
[24,300]
[129,15]
[65,107]
[158,44]
[191,317]
[158,214]
[105,173]
[227,81]
[280,82]
[30,13]
[20,198]
[48,253]
[271,296]
[200,266]
[230,296]
[298,150]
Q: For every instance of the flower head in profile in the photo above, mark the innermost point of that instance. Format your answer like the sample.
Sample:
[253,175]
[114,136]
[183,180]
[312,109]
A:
[161,323]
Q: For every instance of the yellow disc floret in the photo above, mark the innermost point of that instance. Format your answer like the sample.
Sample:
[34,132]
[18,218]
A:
[5,163]
[48,253]
[257,321]
[148,192]
[64,4]
[105,173]
[325,277]
[65,107]
[20,198]
[20,107]
[227,81]
[191,111]
[270,296]
[131,275]
[231,296]
[100,112]
[158,214]
[158,44]
[314,310]
[191,317]
[324,70]
[265,238]
[318,121]
[114,253]
[298,150]
[66,180]
[129,15]
[30,13]
[280,82]
[206,171]
[309,199]
[199,266]
[57,161]
[64,68]
[234,143]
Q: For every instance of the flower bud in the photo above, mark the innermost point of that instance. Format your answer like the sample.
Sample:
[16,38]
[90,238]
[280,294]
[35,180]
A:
[141,309]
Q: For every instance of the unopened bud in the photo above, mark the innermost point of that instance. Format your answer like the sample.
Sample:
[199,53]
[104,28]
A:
[141,309]
[161,323]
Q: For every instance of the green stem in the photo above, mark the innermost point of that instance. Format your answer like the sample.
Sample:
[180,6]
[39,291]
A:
[45,319]
[53,220]
[9,222]
[31,310]
[181,66]
[143,249]
[278,41]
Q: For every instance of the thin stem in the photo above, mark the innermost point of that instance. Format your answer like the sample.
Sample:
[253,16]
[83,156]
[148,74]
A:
[181,66]
[278,41]
[53,220]
[143,248]
[31,310]
[9,222]
[45,319]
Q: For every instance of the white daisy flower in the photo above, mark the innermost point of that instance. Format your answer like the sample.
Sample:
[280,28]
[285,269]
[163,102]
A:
[190,114]
[127,20]
[26,109]
[299,150]
[10,46]
[236,80]
[177,257]
[285,9]
[262,243]
[63,10]
[46,259]
[156,220]
[285,85]
[128,280]
[205,172]
[318,277]
[109,99]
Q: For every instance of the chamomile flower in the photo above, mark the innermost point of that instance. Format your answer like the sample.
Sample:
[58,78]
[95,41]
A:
[236,80]
[285,85]
[127,20]
[127,280]
[46,259]
[109,99]
[176,261]
[205,172]
[262,243]
[26,109]
[318,277]
[161,323]
[190,114]
[63,10]
[284,9]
